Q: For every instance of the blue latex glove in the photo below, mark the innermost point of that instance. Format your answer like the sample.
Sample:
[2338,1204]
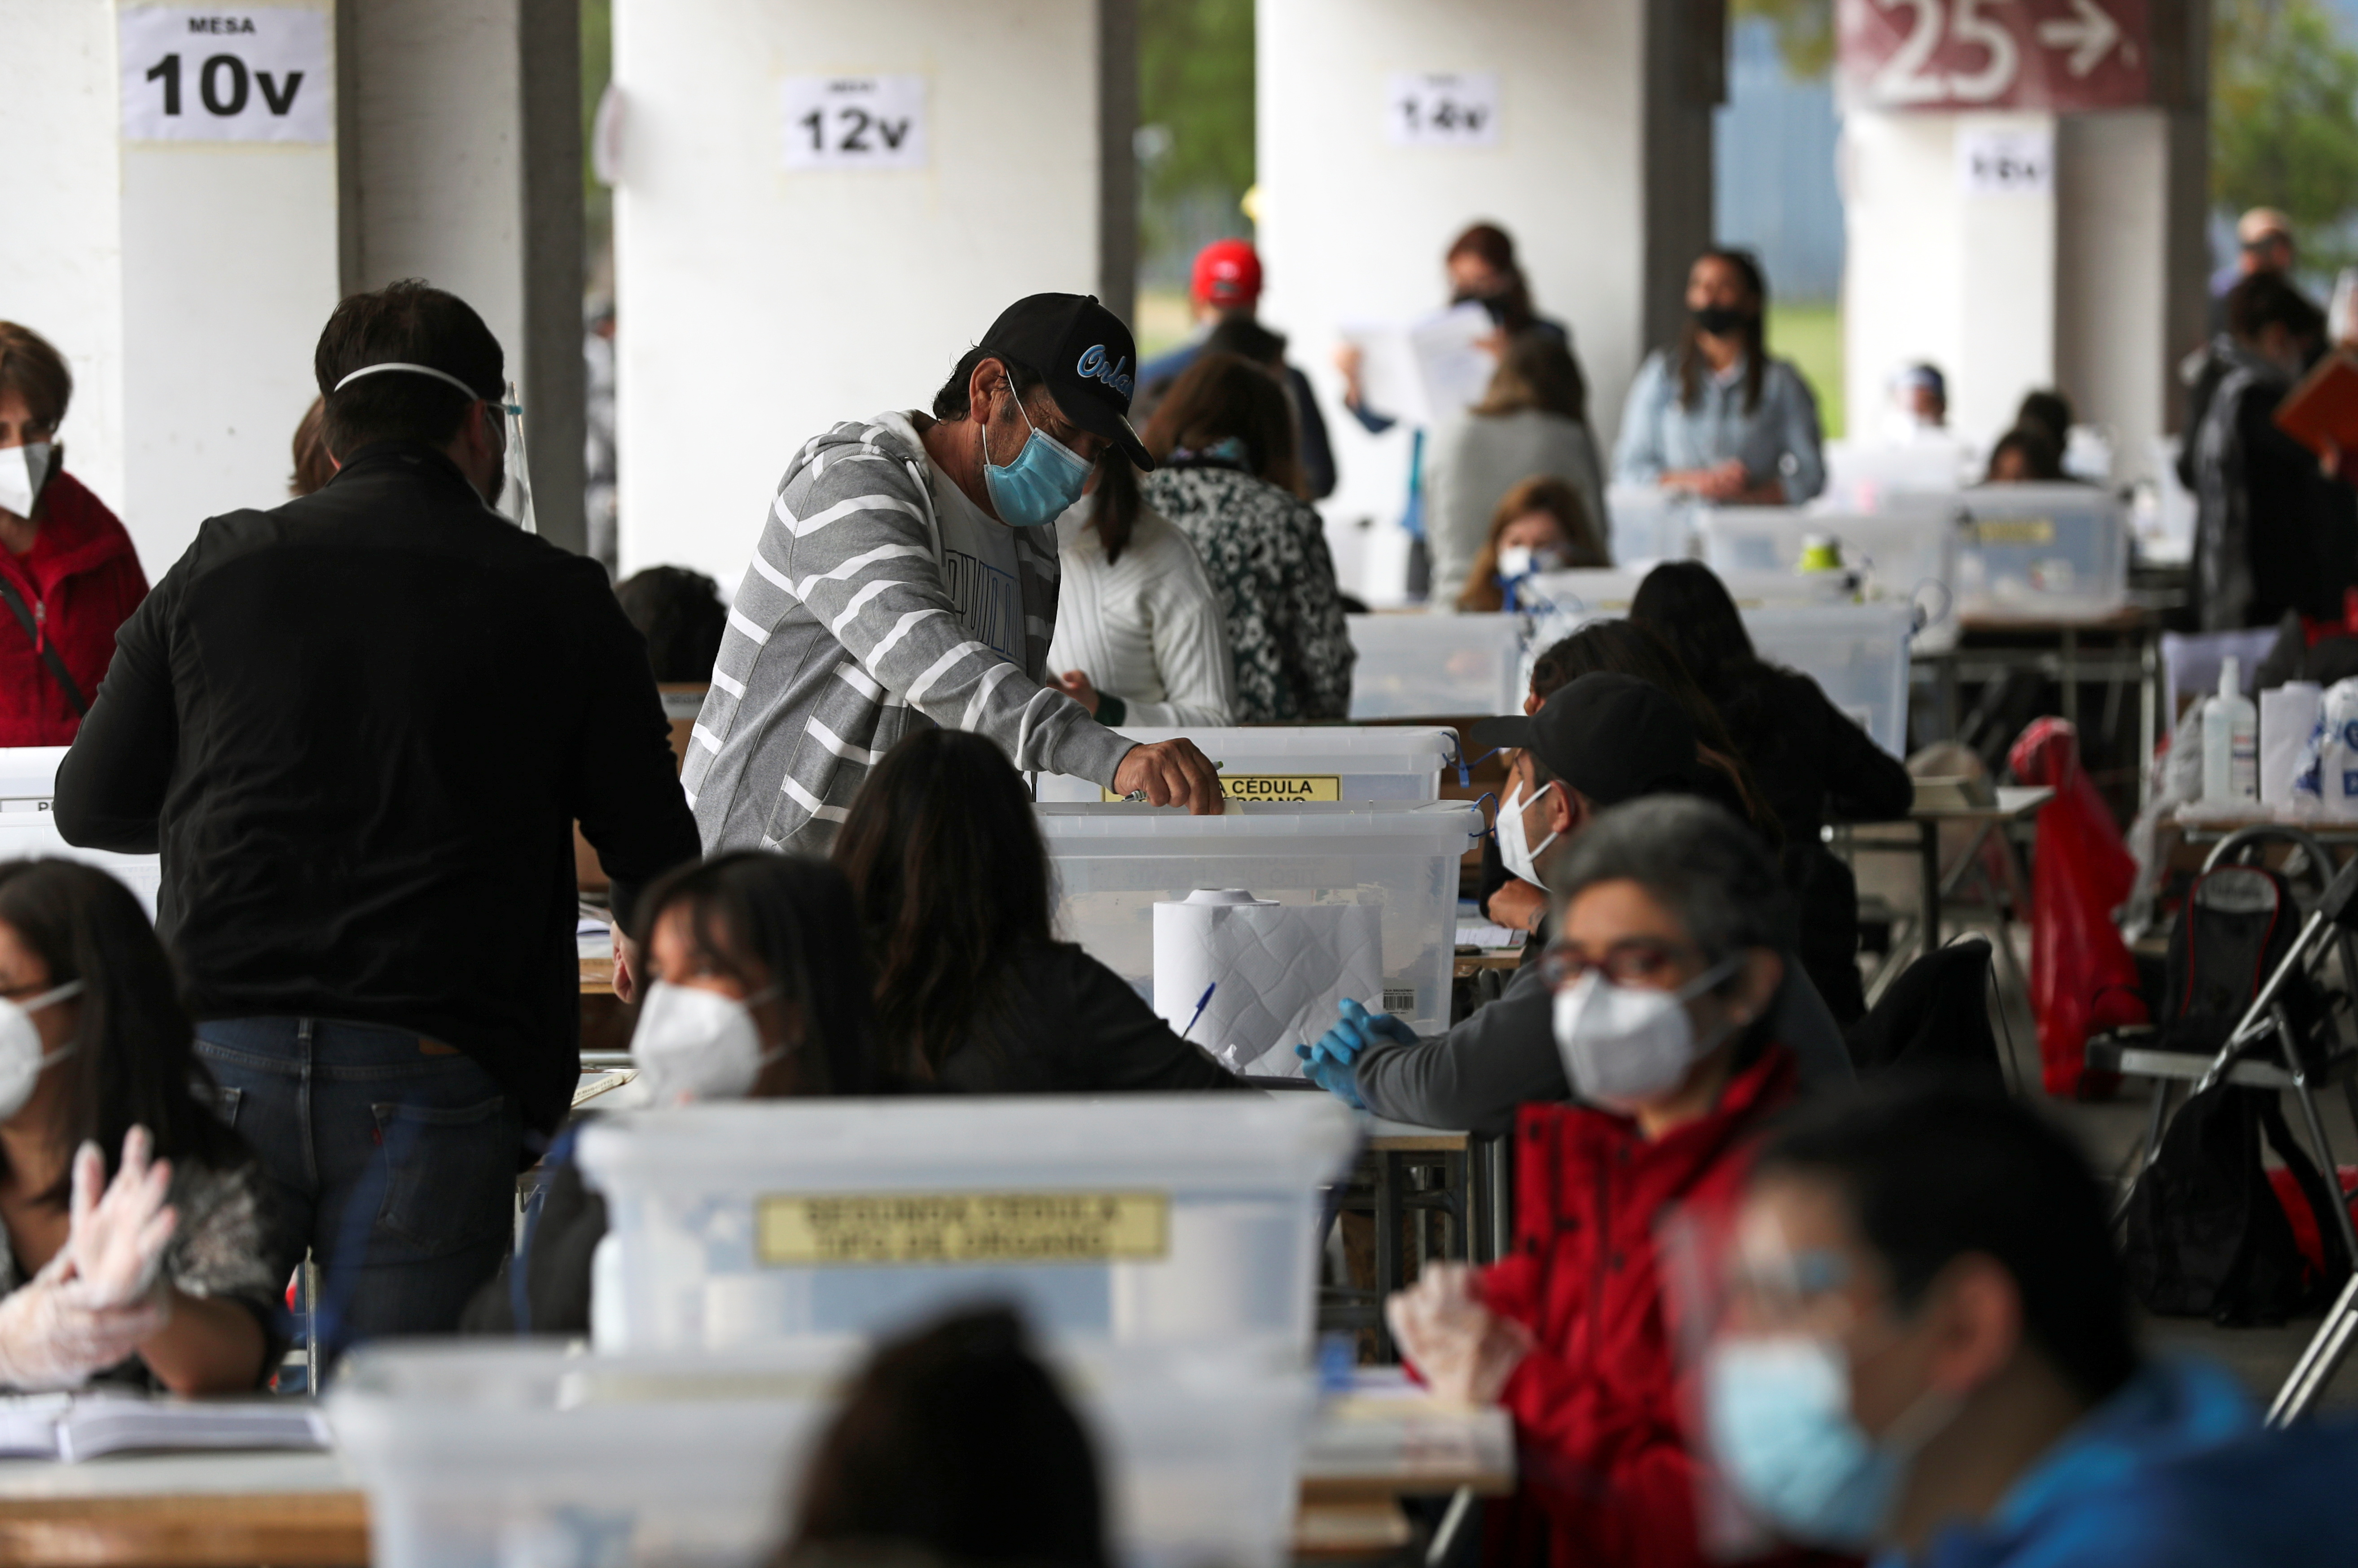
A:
[1384,1026]
[1335,1076]
[1340,1045]
[1355,1029]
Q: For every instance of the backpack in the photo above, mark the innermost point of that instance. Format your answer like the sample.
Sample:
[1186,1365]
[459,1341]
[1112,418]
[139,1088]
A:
[1934,1017]
[2237,927]
[2207,1236]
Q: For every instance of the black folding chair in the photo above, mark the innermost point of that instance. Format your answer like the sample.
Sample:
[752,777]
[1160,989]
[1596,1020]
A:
[2137,1051]
[2266,1024]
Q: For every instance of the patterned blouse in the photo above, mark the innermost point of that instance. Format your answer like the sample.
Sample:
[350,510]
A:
[221,1249]
[1266,554]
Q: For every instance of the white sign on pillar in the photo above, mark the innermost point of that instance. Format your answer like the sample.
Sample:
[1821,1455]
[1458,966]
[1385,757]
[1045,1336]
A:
[224,110]
[2005,162]
[1442,109]
[855,122]
[255,75]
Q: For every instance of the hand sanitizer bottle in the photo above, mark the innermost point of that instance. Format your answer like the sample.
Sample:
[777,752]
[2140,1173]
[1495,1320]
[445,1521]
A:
[2230,741]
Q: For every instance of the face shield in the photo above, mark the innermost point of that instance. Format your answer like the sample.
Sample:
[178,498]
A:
[514,501]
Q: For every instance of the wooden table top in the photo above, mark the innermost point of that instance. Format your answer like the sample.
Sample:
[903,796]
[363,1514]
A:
[232,1530]
[330,1530]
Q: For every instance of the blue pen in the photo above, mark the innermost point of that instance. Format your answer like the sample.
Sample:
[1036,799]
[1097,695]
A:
[1201,1003]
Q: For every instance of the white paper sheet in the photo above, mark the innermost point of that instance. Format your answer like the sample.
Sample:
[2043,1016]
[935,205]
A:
[1451,359]
[1431,370]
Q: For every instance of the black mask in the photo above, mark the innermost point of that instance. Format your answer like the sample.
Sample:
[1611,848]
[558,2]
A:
[1722,320]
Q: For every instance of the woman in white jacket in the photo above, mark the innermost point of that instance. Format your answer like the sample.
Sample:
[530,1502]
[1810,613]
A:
[1139,634]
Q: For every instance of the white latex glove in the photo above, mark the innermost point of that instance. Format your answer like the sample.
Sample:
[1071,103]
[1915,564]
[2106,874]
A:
[104,1294]
[1465,1351]
[118,1237]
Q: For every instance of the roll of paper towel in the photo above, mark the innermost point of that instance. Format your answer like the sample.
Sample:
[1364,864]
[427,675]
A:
[2287,714]
[1276,972]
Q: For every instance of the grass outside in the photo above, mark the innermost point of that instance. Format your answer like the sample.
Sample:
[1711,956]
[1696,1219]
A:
[1163,318]
[1811,336]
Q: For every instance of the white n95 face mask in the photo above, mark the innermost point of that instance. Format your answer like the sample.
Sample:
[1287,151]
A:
[1517,561]
[1623,1046]
[23,471]
[21,1060]
[1515,846]
[696,1044]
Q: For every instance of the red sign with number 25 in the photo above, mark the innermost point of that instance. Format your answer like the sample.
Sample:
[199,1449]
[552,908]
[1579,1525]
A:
[2062,54]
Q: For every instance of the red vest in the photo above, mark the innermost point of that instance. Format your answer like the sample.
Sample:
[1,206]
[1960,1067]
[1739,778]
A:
[1602,1406]
[82,579]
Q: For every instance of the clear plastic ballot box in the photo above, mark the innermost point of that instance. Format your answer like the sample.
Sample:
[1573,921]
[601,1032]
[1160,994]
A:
[1137,1219]
[1858,653]
[492,1455]
[1416,666]
[2043,552]
[1645,522]
[1905,554]
[28,779]
[1114,863]
[1310,762]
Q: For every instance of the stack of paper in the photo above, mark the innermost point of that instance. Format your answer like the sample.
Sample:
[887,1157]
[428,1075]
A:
[85,1425]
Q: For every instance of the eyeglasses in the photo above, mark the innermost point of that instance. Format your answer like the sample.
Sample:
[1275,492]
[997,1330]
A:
[1634,961]
[1792,1290]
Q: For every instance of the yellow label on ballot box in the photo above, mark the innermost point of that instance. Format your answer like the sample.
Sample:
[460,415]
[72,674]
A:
[1276,786]
[821,1229]
[2014,531]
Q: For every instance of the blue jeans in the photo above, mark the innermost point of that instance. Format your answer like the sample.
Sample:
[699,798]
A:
[392,1157]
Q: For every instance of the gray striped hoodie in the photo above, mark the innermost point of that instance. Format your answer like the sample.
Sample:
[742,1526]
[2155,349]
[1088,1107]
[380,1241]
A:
[843,638]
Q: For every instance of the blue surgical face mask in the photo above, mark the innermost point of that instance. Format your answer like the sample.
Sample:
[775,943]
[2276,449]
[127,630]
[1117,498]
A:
[1781,1429]
[1046,478]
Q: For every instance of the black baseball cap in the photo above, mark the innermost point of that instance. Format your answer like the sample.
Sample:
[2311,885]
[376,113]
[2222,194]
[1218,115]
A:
[1084,354]
[1611,737]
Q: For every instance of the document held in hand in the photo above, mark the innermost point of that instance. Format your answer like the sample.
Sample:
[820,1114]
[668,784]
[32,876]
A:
[2321,413]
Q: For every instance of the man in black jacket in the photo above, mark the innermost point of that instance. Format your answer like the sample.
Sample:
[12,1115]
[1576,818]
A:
[2272,532]
[359,728]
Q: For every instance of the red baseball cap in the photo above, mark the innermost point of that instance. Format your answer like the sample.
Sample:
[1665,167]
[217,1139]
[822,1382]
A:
[1227,274]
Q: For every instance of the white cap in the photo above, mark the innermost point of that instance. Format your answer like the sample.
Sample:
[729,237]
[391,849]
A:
[2231,676]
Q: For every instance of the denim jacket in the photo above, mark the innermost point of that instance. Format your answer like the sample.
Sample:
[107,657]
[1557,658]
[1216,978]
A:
[1778,439]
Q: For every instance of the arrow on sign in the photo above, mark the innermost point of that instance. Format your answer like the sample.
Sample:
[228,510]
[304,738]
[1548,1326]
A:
[2090,34]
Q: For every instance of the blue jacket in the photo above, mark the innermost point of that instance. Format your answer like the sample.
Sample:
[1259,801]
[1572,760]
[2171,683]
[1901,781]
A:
[1778,439]
[2172,1472]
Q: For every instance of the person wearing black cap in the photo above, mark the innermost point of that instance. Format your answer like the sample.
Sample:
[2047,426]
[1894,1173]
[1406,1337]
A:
[359,728]
[906,575]
[1603,739]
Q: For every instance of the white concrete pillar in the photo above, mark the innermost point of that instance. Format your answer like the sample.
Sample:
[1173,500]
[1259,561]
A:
[462,166]
[184,262]
[767,288]
[1598,163]
[2093,281]
[183,274]
[1965,279]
